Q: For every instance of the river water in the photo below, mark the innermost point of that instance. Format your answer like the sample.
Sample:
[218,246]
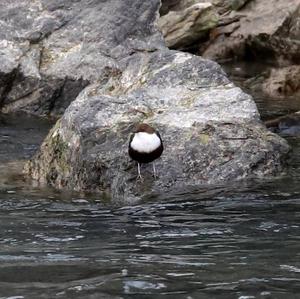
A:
[239,241]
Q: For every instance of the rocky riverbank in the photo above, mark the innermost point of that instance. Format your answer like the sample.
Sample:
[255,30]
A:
[253,30]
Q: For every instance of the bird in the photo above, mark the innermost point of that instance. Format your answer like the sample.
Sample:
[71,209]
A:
[145,146]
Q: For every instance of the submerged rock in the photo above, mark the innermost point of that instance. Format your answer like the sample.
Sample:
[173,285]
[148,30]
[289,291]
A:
[286,124]
[283,82]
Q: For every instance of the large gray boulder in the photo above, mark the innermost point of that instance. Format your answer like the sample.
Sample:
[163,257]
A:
[211,129]
[51,49]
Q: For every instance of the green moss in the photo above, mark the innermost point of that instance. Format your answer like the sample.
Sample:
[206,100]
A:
[62,160]
[111,88]
[204,138]
[59,150]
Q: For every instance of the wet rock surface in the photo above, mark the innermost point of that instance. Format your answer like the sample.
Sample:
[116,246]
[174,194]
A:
[286,124]
[283,82]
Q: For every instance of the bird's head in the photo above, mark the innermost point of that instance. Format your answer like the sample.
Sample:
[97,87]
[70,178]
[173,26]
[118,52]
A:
[144,128]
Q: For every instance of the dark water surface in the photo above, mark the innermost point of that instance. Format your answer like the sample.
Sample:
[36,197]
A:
[240,241]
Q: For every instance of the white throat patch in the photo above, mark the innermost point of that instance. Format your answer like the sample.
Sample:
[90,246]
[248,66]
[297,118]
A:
[145,142]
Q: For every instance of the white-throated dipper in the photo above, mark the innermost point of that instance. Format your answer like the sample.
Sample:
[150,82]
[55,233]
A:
[145,146]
